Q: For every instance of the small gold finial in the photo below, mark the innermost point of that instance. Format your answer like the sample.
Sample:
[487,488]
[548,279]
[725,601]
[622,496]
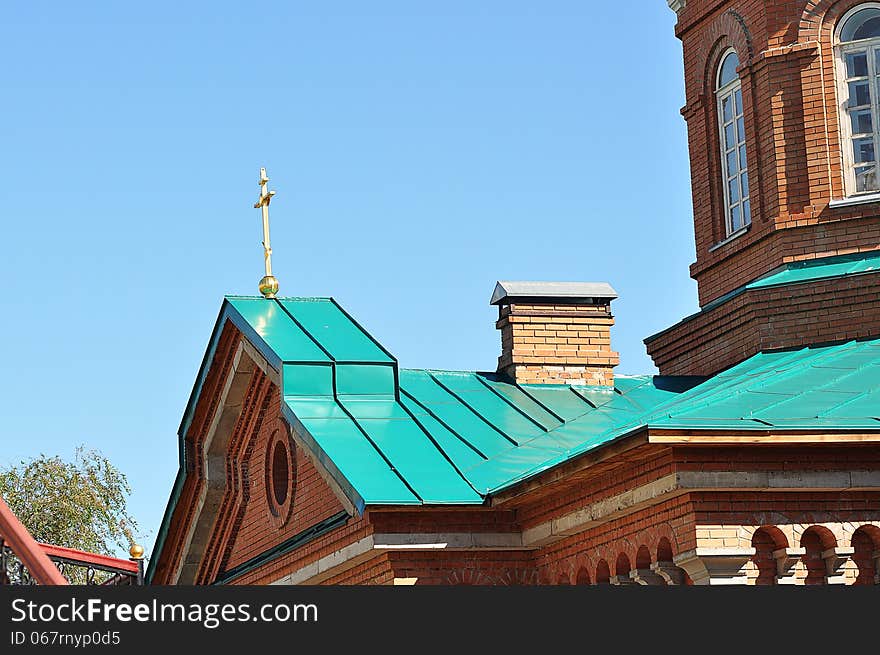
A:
[269,283]
[136,551]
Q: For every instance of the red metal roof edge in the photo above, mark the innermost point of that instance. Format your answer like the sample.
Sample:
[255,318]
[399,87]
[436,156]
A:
[28,551]
[89,558]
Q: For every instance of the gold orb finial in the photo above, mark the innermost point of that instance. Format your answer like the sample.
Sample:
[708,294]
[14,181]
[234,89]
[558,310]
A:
[136,551]
[269,286]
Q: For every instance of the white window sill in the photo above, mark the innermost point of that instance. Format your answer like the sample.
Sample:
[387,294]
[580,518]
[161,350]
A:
[733,236]
[855,200]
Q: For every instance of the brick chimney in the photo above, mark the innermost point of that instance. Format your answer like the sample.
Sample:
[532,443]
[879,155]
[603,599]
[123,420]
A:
[556,332]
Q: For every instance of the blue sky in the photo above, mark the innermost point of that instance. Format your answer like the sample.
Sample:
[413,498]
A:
[419,151]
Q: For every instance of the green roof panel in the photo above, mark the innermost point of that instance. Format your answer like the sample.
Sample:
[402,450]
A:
[818,269]
[493,408]
[411,452]
[307,379]
[559,399]
[527,404]
[454,447]
[460,418]
[331,327]
[272,324]
[365,379]
[358,460]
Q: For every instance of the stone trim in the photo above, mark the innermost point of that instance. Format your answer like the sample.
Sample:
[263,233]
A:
[716,566]
[694,481]
[786,564]
[677,5]
[376,544]
[222,425]
[599,512]
[673,575]
[450,541]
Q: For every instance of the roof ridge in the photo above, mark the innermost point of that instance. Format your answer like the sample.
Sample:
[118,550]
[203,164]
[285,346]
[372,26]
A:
[302,298]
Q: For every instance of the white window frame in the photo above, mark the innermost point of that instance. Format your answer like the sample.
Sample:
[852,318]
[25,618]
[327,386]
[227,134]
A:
[721,93]
[872,49]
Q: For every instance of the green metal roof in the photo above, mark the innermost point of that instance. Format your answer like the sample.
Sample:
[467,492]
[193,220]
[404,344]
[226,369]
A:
[822,387]
[819,269]
[403,436]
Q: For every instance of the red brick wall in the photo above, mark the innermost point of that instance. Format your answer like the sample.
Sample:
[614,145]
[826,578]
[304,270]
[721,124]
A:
[757,508]
[438,519]
[664,529]
[792,138]
[283,565]
[599,482]
[763,319]
[377,571]
[671,520]
[313,500]
[779,457]
[250,531]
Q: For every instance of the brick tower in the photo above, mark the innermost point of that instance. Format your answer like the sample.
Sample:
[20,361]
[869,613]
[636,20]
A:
[783,129]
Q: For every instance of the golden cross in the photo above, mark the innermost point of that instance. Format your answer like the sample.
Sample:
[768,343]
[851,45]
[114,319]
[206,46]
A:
[269,284]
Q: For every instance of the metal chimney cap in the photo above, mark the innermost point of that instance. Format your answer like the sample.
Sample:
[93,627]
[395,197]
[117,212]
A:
[558,293]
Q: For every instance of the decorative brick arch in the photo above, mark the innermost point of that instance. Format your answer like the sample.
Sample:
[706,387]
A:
[623,564]
[660,531]
[469,577]
[815,540]
[778,521]
[623,546]
[865,541]
[518,577]
[643,557]
[849,528]
[582,576]
[819,18]
[606,553]
[660,550]
[567,569]
[727,31]
[583,562]
[766,540]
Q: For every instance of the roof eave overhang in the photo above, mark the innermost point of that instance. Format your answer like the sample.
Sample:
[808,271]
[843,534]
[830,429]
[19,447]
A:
[647,435]
[185,422]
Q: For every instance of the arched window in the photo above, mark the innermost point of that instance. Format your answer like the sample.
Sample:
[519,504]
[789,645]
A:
[858,73]
[737,206]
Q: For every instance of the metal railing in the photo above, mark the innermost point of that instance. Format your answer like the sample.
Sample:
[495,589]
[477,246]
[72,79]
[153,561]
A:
[76,567]
[23,561]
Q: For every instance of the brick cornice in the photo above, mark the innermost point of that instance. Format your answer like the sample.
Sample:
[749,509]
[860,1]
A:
[766,318]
